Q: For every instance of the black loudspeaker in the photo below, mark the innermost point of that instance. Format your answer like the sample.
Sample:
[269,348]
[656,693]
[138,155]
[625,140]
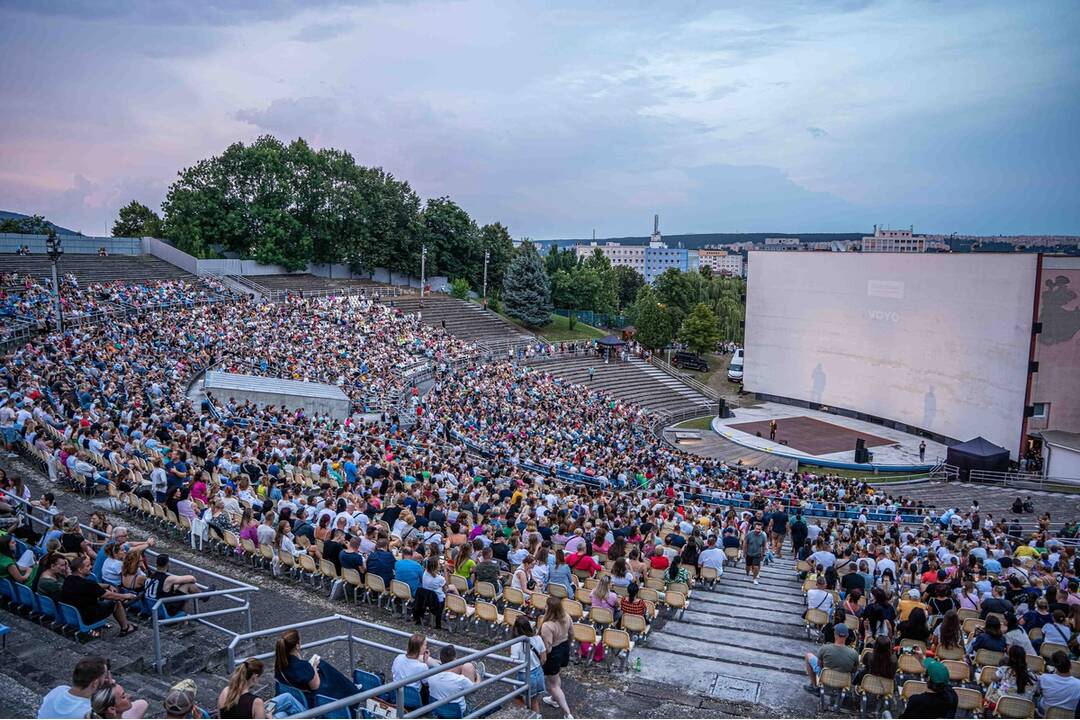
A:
[722,409]
[861,455]
[860,444]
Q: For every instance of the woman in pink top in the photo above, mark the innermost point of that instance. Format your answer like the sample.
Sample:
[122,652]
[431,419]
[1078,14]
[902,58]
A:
[602,597]
[198,489]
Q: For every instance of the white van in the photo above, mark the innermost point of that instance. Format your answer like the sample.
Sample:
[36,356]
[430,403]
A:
[734,371]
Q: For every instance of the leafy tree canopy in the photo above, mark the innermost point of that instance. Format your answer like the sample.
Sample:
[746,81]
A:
[137,220]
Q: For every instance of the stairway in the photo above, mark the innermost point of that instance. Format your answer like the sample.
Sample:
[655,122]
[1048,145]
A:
[465,320]
[739,641]
[635,381]
[92,268]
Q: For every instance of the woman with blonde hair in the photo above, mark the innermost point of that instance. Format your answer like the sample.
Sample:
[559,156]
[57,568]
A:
[237,700]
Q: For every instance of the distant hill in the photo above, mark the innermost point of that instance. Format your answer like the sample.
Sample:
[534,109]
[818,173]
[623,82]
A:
[8,215]
[699,240]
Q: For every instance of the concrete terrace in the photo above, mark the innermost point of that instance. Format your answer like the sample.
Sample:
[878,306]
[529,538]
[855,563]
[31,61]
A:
[634,381]
[91,268]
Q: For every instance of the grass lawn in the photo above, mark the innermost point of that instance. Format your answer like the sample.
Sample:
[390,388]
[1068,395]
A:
[559,330]
[699,423]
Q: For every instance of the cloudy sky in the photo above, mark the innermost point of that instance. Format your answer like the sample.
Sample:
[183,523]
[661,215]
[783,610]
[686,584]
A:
[563,116]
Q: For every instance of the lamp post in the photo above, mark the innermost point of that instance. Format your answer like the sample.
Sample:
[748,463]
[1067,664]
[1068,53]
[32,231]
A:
[487,254]
[423,265]
[54,249]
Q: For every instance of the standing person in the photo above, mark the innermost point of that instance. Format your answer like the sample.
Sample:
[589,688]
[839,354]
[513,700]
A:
[778,528]
[754,550]
[555,632]
[523,628]
[772,429]
[922,450]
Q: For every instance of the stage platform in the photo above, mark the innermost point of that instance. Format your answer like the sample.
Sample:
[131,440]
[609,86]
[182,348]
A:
[819,438]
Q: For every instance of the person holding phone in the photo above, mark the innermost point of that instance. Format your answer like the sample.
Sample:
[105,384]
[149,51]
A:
[311,676]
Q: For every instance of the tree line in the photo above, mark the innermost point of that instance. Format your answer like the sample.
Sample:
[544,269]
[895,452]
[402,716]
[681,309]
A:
[289,204]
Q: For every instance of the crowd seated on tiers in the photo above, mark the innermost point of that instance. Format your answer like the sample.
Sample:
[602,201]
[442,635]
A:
[510,497]
[967,612]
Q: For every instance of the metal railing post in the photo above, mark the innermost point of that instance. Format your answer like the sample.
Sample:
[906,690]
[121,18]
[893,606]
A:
[401,701]
[527,647]
[159,663]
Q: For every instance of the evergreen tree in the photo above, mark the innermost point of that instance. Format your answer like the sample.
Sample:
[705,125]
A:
[526,293]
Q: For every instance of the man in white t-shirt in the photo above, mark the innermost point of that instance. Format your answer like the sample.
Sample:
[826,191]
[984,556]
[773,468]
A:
[819,598]
[73,701]
[452,681]
[712,557]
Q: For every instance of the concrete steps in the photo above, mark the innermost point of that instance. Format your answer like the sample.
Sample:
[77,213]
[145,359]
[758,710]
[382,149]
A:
[91,268]
[465,320]
[634,382]
[738,641]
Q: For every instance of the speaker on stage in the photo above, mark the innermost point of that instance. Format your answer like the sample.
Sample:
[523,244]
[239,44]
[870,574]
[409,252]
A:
[861,455]
[722,409]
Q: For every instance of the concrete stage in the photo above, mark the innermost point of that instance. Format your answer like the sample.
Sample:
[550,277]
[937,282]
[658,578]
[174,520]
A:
[815,437]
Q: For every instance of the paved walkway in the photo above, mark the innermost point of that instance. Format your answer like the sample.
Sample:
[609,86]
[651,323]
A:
[740,642]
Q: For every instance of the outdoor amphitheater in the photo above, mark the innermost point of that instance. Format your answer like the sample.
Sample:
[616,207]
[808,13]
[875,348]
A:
[345,497]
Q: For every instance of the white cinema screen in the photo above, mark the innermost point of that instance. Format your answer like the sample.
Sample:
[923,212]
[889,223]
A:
[936,341]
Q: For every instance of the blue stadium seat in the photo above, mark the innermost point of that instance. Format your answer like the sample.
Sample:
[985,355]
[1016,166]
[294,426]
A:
[301,697]
[72,620]
[4,630]
[367,680]
[449,710]
[48,609]
[7,591]
[25,597]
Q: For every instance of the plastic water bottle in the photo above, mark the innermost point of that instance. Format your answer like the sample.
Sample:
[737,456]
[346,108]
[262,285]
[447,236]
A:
[637,665]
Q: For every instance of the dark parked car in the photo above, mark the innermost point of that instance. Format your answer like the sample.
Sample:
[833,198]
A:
[690,361]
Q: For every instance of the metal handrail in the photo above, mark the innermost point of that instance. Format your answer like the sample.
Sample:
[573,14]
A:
[519,688]
[236,594]
[1019,478]
[673,371]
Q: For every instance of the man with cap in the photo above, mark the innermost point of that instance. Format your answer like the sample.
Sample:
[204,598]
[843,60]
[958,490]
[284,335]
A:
[939,700]
[832,656]
[180,701]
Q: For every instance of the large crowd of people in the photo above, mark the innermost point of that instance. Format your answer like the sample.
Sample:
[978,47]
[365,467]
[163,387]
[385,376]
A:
[505,475]
[965,602]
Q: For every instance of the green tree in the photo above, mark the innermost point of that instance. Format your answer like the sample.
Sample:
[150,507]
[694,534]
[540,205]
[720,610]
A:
[453,243]
[680,292]
[606,298]
[460,289]
[34,225]
[526,293]
[564,259]
[653,320]
[575,290]
[496,240]
[137,220]
[700,330]
[630,281]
